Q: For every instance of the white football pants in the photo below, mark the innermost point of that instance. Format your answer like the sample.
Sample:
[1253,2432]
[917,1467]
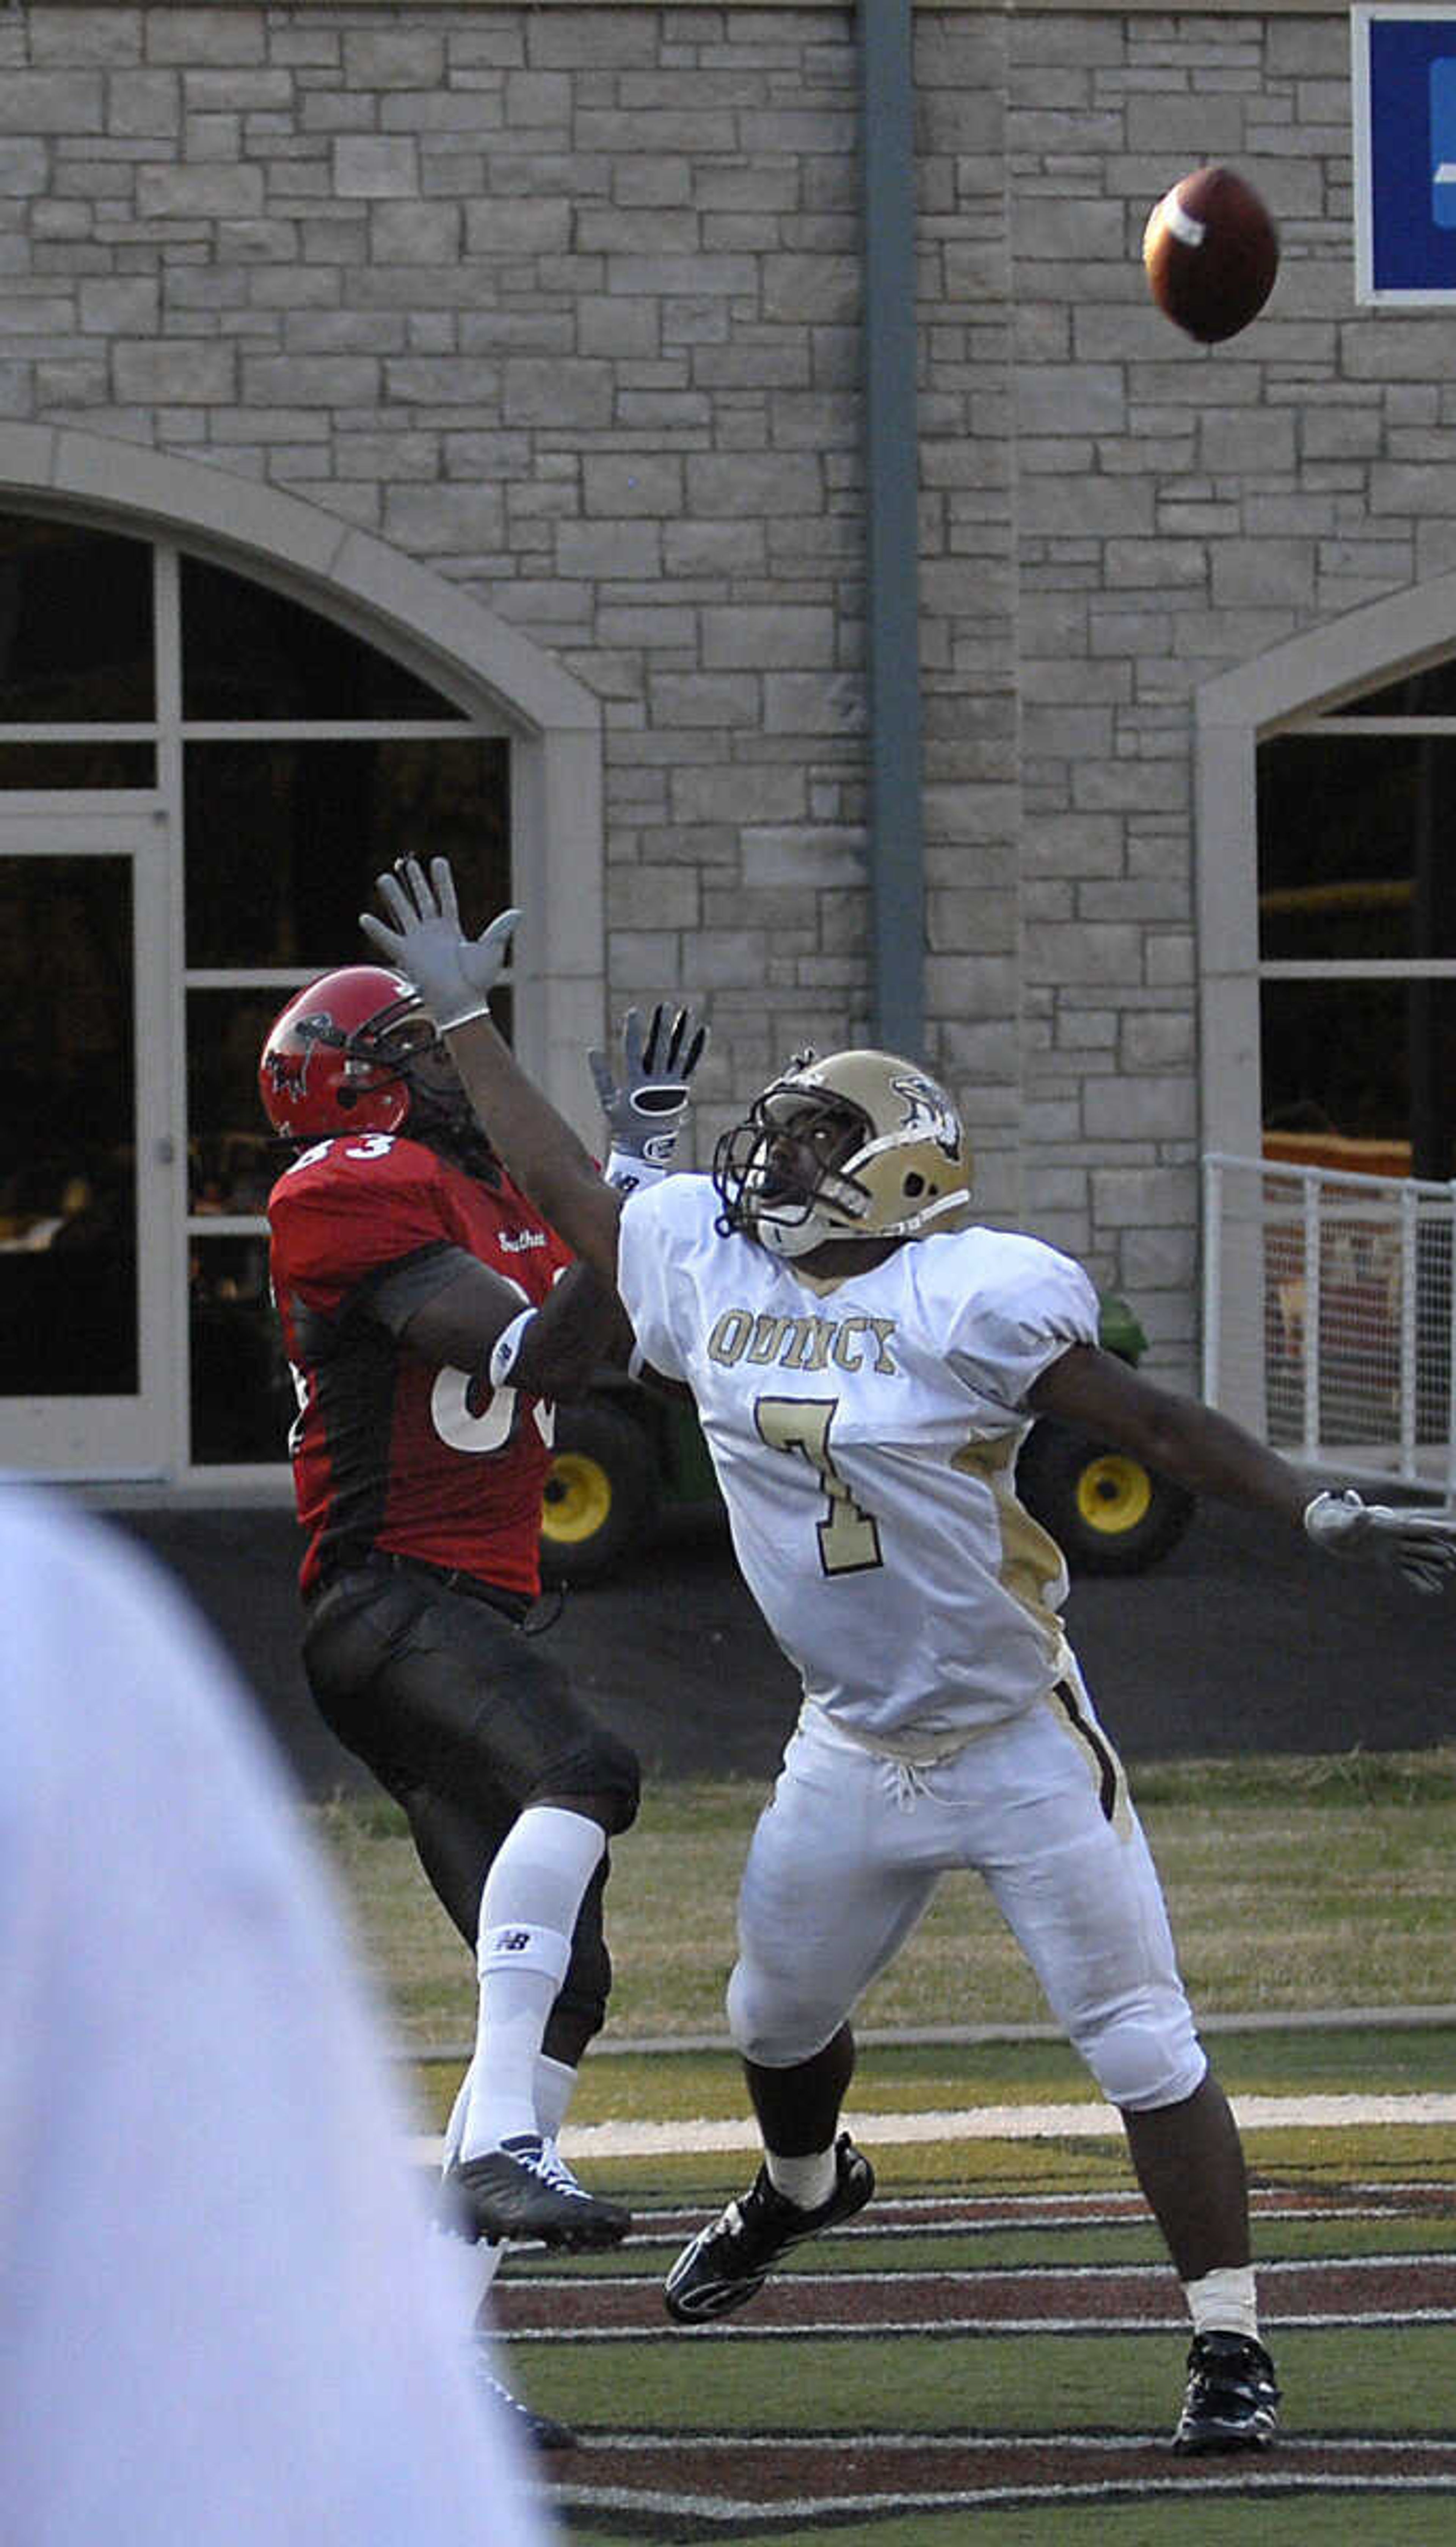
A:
[851,1846]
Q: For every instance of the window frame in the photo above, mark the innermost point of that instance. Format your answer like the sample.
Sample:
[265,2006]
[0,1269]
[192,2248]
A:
[550,722]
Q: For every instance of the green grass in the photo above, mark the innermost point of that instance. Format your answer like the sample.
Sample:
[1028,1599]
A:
[1327,2521]
[1388,2379]
[1293,1884]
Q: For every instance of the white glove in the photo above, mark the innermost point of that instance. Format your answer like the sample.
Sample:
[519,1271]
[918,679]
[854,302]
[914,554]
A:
[644,1112]
[452,974]
[1418,1546]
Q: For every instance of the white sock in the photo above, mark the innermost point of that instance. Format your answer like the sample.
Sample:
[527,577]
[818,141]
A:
[455,2126]
[477,2267]
[809,2181]
[1223,2302]
[488,2259]
[528,1911]
[555,2084]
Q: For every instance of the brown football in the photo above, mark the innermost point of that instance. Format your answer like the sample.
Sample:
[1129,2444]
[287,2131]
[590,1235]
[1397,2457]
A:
[1211,252]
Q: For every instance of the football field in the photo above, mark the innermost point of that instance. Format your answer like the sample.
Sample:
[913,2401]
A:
[999,2337]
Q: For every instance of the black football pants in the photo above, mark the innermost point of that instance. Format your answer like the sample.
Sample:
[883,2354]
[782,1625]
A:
[465,1722]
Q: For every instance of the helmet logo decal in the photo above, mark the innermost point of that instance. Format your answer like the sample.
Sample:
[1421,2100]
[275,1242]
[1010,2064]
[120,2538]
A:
[926,1111]
[288,1072]
[320,1027]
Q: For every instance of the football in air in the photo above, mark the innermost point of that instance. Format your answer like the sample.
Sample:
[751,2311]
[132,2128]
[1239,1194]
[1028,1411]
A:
[1211,254]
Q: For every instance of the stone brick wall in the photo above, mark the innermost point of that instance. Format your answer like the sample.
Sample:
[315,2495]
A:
[563,302]
[1176,510]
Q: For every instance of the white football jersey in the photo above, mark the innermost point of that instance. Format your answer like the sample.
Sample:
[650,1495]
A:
[864,1433]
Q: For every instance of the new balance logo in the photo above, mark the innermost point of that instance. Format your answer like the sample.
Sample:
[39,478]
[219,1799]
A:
[513,1941]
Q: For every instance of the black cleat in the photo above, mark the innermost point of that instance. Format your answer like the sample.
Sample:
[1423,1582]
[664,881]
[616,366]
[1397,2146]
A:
[525,2190]
[538,2432]
[1231,2400]
[731,2259]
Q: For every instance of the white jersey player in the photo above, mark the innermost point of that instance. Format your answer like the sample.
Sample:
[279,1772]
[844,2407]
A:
[883,1545]
[865,1362]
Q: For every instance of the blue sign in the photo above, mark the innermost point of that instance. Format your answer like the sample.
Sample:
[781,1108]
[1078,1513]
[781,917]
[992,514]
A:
[1405,103]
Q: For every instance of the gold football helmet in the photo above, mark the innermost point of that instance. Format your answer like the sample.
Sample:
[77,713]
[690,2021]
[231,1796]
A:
[859,1145]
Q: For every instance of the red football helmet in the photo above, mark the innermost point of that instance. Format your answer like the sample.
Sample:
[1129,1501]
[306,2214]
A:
[337,1059]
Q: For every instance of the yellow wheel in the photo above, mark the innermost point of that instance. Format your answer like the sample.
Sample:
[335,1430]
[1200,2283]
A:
[1113,1492]
[577,1501]
[599,1501]
[1108,1514]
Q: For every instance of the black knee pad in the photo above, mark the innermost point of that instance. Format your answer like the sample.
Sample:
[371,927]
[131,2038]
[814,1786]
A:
[599,1765]
[581,2007]
[581,2001]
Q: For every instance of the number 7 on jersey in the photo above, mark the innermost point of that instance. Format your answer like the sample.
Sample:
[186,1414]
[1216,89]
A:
[849,1536]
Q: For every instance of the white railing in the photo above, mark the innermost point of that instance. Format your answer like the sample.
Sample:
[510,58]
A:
[1329,1318]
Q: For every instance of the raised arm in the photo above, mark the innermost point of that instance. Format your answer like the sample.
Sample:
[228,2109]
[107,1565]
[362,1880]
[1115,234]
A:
[454,976]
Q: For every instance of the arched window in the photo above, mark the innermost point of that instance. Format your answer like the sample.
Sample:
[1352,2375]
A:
[201,774]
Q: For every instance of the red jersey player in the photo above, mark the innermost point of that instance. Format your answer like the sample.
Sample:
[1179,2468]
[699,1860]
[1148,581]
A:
[429,1316]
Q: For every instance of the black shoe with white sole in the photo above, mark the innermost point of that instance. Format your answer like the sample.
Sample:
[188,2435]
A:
[731,2259]
[526,2190]
[1231,2400]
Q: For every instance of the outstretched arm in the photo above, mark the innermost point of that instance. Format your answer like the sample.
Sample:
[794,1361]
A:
[1177,1435]
[1212,1454]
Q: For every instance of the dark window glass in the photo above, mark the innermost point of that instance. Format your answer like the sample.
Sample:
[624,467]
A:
[249,655]
[1371,1064]
[1429,693]
[75,625]
[242,1399]
[232,1156]
[285,840]
[77,764]
[1356,855]
[68,1188]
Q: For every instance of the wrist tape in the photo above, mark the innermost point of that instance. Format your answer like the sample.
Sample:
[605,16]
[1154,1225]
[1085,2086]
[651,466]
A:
[628,1171]
[505,1352]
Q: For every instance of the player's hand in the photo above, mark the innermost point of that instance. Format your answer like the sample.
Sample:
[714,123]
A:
[454,975]
[1420,1546]
[643,1110]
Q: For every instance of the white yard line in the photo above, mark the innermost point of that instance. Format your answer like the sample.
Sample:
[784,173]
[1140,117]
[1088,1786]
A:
[982,2122]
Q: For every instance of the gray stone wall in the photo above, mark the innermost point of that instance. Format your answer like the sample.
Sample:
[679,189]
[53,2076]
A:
[1177,511]
[563,302]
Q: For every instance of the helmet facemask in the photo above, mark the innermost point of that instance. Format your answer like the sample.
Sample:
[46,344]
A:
[408,1049]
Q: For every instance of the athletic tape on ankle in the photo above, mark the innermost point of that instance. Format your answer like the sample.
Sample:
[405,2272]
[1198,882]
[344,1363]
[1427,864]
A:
[517,1946]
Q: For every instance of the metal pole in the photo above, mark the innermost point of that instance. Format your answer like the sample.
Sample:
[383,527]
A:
[1213,1279]
[1314,1316]
[892,485]
[1450,1371]
[1408,1465]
